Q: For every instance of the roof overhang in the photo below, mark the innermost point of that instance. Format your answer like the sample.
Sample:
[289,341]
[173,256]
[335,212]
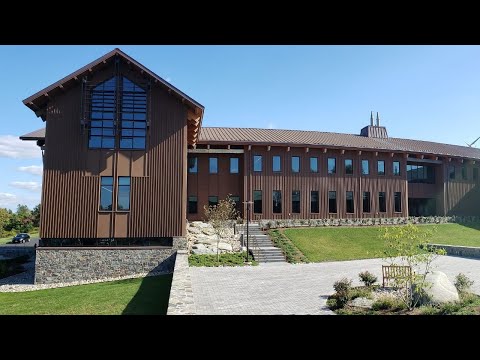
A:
[38,101]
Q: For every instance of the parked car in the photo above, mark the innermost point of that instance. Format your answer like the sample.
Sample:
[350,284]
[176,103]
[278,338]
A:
[21,238]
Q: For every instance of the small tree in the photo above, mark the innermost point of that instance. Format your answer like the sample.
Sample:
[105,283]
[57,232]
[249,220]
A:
[408,245]
[5,216]
[220,216]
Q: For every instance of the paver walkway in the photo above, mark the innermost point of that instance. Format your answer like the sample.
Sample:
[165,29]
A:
[278,288]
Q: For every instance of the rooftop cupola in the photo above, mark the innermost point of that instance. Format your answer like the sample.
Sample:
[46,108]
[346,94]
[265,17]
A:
[375,131]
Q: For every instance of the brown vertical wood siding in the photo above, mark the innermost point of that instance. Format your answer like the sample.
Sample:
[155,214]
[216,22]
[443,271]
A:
[462,197]
[203,184]
[71,186]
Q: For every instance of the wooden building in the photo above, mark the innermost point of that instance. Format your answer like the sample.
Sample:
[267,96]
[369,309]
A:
[126,160]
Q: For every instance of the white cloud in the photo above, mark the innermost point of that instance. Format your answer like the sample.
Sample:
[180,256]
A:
[271,125]
[7,200]
[12,147]
[27,185]
[32,169]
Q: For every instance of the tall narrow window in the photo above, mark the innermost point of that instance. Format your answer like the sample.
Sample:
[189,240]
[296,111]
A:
[133,118]
[102,115]
[296,201]
[314,164]
[332,202]
[234,165]
[381,167]
[276,164]
[193,165]
[398,201]
[314,202]
[257,201]
[192,205]
[365,167]
[366,201]
[106,193]
[277,202]
[396,168]
[475,174]
[348,166]
[123,201]
[382,202]
[257,163]
[213,165]
[332,165]
[212,200]
[350,204]
[236,200]
[451,172]
[464,173]
[295,164]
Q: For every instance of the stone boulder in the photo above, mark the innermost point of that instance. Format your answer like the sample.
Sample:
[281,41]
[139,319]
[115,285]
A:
[439,290]
[199,224]
[208,231]
[362,302]
[225,246]
[194,230]
[201,249]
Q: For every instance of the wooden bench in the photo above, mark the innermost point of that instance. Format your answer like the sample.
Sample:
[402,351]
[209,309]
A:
[390,272]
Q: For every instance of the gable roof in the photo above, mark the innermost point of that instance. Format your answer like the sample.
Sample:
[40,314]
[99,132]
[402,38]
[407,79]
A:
[34,135]
[38,101]
[247,136]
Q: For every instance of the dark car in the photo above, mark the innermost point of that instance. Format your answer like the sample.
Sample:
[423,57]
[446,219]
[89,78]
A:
[21,238]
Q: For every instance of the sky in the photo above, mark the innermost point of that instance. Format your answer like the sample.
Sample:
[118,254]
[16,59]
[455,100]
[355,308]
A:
[421,92]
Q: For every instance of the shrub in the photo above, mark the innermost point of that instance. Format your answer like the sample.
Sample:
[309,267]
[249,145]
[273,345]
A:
[360,292]
[367,278]
[463,283]
[450,308]
[342,289]
[388,303]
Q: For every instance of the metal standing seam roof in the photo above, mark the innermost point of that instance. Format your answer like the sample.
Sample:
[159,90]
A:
[317,138]
[221,135]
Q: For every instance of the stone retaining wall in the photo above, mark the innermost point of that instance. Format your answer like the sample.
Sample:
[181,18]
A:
[181,300]
[14,251]
[463,251]
[55,265]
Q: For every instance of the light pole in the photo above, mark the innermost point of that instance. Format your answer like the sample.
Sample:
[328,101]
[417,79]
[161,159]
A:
[248,221]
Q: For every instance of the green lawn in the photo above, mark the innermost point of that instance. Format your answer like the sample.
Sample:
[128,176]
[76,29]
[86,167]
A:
[9,238]
[350,243]
[133,296]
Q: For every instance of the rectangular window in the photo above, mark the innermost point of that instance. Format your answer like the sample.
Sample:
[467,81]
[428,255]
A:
[332,202]
[332,165]
[106,193]
[212,200]
[382,203]
[396,168]
[420,174]
[451,172]
[348,167]
[257,163]
[213,165]
[314,164]
[295,164]
[464,173]
[475,174]
[366,201]
[296,201]
[277,202]
[257,201]
[234,165]
[350,204]
[102,115]
[276,164]
[192,205]
[381,167]
[365,167]
[193,165]
[123,200]
[314,202]
[236,200]
[398,201]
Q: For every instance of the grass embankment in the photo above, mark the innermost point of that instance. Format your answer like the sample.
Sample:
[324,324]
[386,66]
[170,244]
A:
[227,259]
[350,243]
[128,297]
